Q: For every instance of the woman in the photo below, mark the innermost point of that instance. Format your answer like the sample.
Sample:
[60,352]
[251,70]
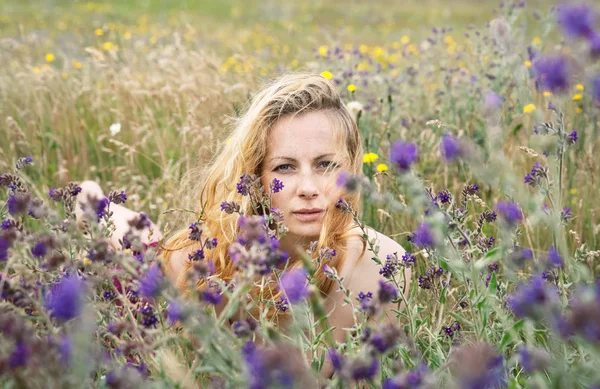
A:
[296,130]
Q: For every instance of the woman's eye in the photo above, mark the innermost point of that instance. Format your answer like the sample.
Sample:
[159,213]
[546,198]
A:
[327,164]
[284,167]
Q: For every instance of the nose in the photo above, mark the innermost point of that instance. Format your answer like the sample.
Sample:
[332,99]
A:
[307,187]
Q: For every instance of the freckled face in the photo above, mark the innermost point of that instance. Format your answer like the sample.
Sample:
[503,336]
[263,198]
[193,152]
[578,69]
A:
[301,153]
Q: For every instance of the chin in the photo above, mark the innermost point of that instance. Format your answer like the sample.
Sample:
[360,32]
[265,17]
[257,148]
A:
[306,231]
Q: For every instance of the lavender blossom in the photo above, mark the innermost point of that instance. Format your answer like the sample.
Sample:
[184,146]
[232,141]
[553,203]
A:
[294,284]
[552,73]
[577,20]
[451,148]
[150,285]
[277,186]
[423,236]
[510,212]
[403,155]
[64,299]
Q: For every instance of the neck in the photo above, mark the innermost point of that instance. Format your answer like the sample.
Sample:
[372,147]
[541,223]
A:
[296,245]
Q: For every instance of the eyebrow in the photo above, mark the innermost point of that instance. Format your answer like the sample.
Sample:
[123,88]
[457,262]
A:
[294,160]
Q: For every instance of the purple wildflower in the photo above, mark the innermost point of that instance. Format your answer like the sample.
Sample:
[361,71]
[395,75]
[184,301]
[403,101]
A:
[18,203]
[19,356]
[533,360]
[492,101]
[117,197]
[151,283]
[195,232]
[101,207]
[423,237]
[64,299]
[294,285]
[577,20]
[277,185]
[363,369]
[554,258]
[510,211]
[403,155]
[386,337]
[336,359]
[387,292]
[39,249]
[4,246]
[444,197]
[410,379]
[175,311]
[451,148]
[212,296]
[552,73]
[528,300]
[572,138]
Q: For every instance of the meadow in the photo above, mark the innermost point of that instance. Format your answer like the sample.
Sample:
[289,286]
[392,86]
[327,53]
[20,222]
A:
[497,209]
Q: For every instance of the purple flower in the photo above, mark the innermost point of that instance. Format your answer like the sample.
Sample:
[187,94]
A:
[577,20]
[363,369]
[174,311]
[151,283]
[211,296]
[387,292]
[423,237]
[450,147]
[195,232]
[39,249]
[336,359]
[493,101]
[117,197]
[554,258]
[4,246]
[18,203]
[64,299]
[64,349]
[342,178]
[19,356]
[277,185]
[403,155]
[444,197]
[101,207]
[294,285]
[386,337]
[533,360]
[572,138]
[411,379]
[531,298]
[510,211]
[552,73]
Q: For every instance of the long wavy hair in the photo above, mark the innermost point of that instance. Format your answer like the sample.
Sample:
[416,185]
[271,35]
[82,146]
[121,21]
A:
[244,152]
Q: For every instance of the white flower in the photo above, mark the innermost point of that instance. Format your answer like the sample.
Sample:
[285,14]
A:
[354,107]
[115,128]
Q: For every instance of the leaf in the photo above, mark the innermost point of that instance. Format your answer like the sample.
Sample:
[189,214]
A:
[443,295]
[493,284]
[517,128]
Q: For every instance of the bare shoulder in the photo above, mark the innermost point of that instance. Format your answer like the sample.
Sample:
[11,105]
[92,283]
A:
[175,263]
[365,258]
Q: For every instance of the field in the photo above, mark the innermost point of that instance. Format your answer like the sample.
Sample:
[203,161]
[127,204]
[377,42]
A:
[140,95]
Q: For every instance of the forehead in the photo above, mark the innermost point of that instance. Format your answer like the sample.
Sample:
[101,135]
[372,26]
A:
[311,132]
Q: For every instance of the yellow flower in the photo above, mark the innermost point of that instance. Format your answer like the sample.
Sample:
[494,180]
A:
[573,191]
[49,57]
[579,110]
[579,87]
[382,167]
[351,88]
[327,74]
[529,108]
[127,35]
[323,51]
[295,63]
[36,69]
[363,49]
[577,97]
[87,261]
[370,157]
[536,40]
[77,64]
[527,63]
[99,32]
[153,39]
[64,75]
[547,93]
[404,40]
[107,46]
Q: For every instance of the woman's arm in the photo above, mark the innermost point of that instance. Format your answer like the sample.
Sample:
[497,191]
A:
[121,216]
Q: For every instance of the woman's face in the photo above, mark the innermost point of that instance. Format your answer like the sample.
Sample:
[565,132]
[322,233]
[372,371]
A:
[301,153]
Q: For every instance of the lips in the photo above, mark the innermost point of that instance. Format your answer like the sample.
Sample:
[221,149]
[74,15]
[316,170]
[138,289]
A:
[309,214]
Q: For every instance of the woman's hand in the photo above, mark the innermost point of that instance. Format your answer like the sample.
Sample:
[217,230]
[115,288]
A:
[121,216]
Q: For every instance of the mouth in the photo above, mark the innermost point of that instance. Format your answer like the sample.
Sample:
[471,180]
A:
[312,214]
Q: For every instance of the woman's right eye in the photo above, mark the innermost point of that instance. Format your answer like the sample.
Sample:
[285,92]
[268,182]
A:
[283,167]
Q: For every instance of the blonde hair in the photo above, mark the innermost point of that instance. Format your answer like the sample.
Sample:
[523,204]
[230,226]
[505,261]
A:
[244,152]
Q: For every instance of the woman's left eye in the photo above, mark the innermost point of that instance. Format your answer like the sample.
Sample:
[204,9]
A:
[327,164]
